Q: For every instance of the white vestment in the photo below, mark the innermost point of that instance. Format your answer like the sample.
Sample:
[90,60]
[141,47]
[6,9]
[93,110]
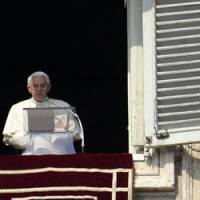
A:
[16,131]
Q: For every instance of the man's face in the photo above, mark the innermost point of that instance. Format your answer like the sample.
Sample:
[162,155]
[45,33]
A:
[39,88]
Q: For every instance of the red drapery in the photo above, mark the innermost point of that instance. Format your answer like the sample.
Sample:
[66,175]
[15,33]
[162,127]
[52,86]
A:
[55,177]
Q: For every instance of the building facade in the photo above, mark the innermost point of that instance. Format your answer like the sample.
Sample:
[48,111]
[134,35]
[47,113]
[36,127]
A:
[164,96]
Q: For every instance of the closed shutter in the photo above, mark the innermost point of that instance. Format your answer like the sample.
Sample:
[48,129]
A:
[177,47]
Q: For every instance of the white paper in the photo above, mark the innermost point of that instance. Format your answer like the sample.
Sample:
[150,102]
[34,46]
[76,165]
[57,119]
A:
[50,143]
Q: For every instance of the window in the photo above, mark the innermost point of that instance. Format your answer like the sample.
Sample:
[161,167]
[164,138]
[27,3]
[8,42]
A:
[171,42]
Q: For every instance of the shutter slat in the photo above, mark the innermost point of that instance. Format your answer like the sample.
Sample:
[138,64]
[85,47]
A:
[178,38]
[172,108]
[181,21]
[179,124]
[184,48]
[178,97]
[177,5]
[178,82]
[162,92]
[177,100]
[159,15]
[171,116]
[178,55]
[160,2]
[181,46]
[189,64]
[178,74]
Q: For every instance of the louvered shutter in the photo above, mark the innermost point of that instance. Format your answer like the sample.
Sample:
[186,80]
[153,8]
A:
[177,68]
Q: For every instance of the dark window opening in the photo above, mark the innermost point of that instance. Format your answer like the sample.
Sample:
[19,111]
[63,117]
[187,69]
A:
[82,46]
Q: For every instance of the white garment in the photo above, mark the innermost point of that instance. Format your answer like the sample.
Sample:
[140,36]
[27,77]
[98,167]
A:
[15,129]
[50,143]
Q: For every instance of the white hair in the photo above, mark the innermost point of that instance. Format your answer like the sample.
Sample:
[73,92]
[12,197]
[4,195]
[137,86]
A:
[36,74]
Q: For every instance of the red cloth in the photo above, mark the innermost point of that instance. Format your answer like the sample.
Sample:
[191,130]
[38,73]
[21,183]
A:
[87,176]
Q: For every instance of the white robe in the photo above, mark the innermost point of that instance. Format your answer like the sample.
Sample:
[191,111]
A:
[15,131]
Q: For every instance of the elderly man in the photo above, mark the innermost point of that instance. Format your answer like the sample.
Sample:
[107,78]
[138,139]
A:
[15,130]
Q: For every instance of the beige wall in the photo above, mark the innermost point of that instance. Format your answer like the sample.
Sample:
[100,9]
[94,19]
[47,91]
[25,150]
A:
[187,178]
[169,173]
